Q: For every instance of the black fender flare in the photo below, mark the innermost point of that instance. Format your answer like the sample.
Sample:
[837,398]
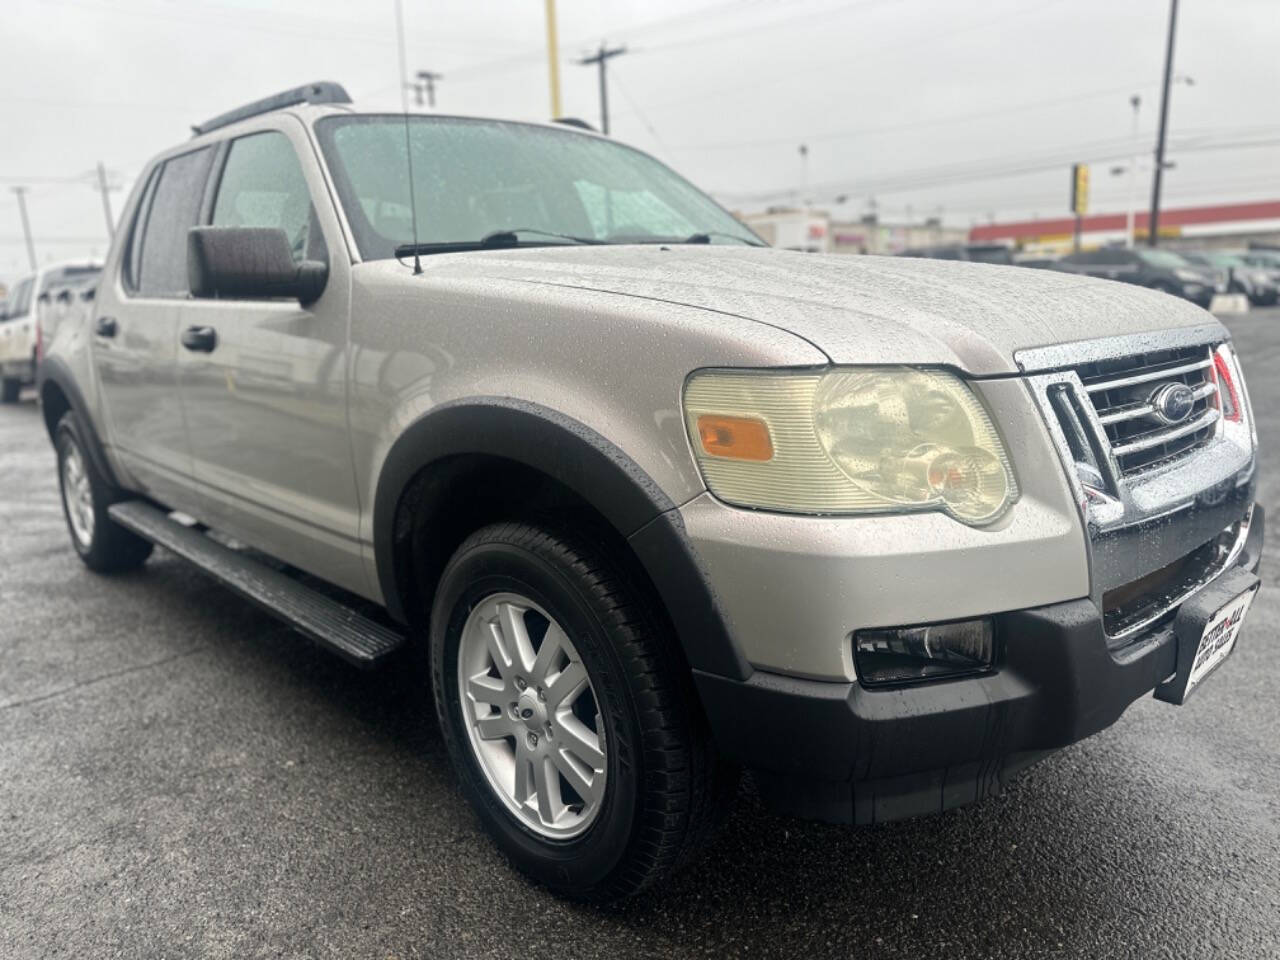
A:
[53,370]
[597,471]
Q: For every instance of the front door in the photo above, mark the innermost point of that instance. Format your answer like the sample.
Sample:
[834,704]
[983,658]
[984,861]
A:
[134,331]
[265,389]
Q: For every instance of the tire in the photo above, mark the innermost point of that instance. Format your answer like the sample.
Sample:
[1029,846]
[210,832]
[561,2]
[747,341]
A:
[103,545]
[10,388]
[665,789]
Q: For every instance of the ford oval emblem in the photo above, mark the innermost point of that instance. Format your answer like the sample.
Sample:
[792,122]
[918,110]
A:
[1173,403]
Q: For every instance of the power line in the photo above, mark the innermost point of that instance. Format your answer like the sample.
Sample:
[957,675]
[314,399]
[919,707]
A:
[772,25]
[914,124]
[991,168]
[636,109]
[520,60]
[772,77]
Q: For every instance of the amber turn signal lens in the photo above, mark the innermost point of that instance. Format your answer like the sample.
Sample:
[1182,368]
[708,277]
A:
[738,438]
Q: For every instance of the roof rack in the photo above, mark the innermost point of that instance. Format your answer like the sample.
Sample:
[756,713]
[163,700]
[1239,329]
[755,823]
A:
[326,91]
[575,122]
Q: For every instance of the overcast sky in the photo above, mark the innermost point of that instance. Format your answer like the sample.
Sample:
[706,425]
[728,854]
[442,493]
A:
[906,101]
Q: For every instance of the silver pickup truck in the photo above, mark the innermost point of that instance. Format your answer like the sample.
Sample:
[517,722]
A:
[645,501]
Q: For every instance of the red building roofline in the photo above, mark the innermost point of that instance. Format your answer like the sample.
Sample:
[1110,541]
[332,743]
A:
[1187,216]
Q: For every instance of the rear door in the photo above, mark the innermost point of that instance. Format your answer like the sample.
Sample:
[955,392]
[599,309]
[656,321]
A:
[266,406]
[135,332]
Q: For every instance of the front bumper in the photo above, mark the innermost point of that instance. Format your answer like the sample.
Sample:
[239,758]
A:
[23,370]
[1198,293]
[844,753]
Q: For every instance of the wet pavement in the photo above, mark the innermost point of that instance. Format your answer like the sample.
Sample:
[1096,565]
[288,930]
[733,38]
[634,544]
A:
[181,777]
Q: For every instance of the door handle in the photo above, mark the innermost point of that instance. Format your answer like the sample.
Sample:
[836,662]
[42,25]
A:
[106,327]
[200,339]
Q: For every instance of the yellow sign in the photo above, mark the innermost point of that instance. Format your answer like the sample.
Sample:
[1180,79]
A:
[1080,189]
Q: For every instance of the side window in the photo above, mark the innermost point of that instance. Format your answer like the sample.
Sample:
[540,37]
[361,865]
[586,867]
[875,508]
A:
[131,268]
[20,299]
[175,209]
[262,186]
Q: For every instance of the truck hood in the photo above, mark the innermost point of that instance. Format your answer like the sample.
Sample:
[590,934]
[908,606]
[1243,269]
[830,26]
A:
[855,309]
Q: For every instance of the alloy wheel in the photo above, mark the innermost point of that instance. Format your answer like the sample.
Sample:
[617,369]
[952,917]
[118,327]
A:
[531,715]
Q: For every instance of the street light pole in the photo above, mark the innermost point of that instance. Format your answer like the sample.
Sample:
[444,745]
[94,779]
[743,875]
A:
[1136,102]
[1153,222]
[21,194]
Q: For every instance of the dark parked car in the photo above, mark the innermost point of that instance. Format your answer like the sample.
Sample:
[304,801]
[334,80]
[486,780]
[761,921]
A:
[1268,260]
[1037,263]
[1158,269]
[977,252]
[1254,282]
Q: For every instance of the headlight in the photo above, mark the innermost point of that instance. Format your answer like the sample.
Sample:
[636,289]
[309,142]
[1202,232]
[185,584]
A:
[848,440]
[1190,276]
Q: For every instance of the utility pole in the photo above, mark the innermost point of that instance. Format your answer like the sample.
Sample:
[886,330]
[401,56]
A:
[21,194]
[553,60]
[106,201]
[428,80]
[1153,222]
[1135,101]
[599,58]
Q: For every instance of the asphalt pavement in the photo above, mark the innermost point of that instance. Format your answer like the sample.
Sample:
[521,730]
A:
[181,777]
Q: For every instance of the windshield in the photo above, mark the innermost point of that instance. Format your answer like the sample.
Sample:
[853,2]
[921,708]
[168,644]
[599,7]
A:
[992,254]
[473,178]
[1163,258]
[1225,260]
[68,274]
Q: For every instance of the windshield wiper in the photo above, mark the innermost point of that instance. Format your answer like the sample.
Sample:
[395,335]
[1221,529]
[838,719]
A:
[706,235]
[510,237]
[497,240]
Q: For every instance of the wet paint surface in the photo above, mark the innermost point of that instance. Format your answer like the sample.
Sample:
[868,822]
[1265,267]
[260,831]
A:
[181,777]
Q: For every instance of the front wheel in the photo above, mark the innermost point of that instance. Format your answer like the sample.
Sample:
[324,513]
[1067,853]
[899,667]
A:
[102,544]
[570,715]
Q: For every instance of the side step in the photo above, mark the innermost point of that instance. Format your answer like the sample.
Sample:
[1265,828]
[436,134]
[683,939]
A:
[326,621]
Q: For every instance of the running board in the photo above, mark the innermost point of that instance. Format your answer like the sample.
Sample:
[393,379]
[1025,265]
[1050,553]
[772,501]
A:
[328,622]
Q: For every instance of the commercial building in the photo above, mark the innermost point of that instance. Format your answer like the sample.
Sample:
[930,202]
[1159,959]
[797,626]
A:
[815,231]
[1229,226]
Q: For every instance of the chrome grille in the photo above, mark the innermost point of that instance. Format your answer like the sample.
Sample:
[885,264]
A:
[1123,392]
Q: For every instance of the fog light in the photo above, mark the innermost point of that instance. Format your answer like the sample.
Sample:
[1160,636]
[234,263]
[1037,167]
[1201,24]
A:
[931,652]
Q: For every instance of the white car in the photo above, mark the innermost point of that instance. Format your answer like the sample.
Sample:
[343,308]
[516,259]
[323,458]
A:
[20,327]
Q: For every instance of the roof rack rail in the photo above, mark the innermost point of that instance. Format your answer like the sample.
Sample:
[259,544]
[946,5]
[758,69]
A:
[325,91]
[575,122]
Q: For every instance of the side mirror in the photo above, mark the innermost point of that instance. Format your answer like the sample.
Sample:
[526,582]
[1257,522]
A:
[250,263]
